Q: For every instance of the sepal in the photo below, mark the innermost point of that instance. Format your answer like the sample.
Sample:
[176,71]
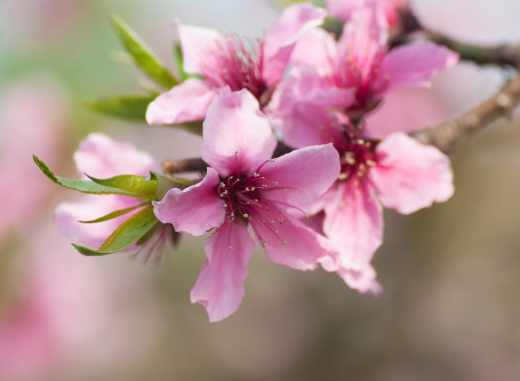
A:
[142,55]
[128,233]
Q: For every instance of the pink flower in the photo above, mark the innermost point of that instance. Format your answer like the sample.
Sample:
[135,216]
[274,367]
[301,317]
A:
[359,68]
[244,188]
[101,157]
[225,61]
[399,173]
[43,104]
[343,9]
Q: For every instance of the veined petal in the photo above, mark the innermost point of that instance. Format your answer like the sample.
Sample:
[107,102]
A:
[237,137]
[301,176]
[278,43]
[101,157]
[413,65]
[289,242]
[195,43]
[220,286]
[195,209]
[185,102]
[361,278]
[410,175]
[353,221]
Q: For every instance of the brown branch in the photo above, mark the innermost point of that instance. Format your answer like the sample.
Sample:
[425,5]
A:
[184,165]
[448,134]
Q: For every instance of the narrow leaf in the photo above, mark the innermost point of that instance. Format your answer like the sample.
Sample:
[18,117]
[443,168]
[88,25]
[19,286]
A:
[131,107]
[125,235]
[130,183]
[114,214]
[142,55]
[86,186]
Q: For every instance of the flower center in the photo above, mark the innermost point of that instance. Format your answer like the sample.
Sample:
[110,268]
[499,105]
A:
[232,63]
[241,194]
[357,159]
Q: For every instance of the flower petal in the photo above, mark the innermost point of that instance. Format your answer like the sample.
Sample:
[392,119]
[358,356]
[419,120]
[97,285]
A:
[237,136]
[195,209]
[406,110]
[100,156]
[195,41]
[185,102]
[413,65]
[353,221]
[361,278]
[342,9]
[278,43]
[410,175]
[220,286]
[303,109]
[301,176]
[316,48]
[289,242]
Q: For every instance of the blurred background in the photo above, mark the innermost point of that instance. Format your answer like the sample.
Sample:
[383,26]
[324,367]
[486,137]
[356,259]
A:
[451,273]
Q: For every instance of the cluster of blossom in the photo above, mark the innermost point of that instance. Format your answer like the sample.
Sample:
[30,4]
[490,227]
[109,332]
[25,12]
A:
[304,89]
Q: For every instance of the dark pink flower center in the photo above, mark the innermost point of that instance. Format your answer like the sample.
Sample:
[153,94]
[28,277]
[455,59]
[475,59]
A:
[232,64]
[242,194]
[243,200]
[357,158]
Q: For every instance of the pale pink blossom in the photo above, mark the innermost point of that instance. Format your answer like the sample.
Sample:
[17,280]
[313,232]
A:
[101,157]
[244,188]
[397,173]
[226,61]
[359,65]
[32,121]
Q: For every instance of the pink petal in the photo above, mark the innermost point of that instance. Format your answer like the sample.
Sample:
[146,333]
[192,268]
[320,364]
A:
[100,156]
[353,221]
[413,65]
[278,43]
[342,9]
[68,215]
[195,42]
[361,278]
[364,38]
[194,210]
[315,48]
[237,136]
[409,175]
[289,242]
[302,176]
[185,102]
[303,109]
[220,286]
[406,110]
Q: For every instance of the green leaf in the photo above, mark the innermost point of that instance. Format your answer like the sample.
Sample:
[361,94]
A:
[142,55]
[165,183]
[285,3]
[130,183]
[86,186]
[131,107]
[114,214]
[125,235]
